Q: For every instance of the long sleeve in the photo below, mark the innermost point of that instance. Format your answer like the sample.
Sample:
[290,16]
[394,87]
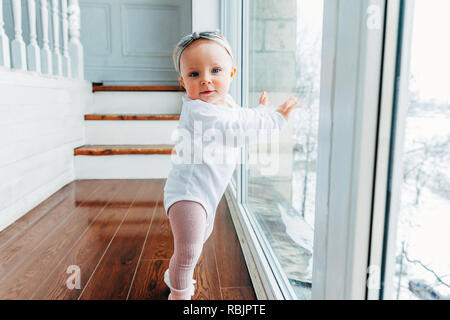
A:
[244,124]
[269,109]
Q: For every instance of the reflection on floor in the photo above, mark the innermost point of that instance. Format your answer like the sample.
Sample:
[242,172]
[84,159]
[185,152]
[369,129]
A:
[111,239]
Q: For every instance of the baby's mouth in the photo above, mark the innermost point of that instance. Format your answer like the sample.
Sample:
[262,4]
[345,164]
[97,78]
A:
[207,92]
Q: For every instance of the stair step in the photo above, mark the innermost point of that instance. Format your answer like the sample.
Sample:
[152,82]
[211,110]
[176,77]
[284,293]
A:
[96,88]
[108,150]
[132,117]
[136,103]
[120,132]
[123,161]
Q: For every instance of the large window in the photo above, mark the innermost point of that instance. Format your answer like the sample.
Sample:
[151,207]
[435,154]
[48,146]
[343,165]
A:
[359,180]
[283,59]
[418,233]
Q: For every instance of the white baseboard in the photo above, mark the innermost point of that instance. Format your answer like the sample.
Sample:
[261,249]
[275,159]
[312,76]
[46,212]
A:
[130,131]
[12,213]
[127,166]
[135,103]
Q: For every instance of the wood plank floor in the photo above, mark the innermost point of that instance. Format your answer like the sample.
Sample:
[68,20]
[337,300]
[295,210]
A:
[116,233]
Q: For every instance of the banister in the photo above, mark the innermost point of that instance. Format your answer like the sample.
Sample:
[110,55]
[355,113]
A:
[62,57]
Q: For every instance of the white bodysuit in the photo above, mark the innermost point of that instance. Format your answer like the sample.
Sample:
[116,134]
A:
[200,170]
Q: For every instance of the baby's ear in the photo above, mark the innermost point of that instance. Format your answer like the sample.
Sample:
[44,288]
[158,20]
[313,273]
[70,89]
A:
[180,79]
[233,72]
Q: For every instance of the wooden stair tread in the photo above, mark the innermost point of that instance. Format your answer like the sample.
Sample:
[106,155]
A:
[96,88]
[131,117]
[104,150]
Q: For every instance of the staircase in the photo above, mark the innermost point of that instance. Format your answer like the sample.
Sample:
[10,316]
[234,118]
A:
[128,133]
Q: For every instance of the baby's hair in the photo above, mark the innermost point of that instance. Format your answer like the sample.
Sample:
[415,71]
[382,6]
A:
[174,57]
[186,41]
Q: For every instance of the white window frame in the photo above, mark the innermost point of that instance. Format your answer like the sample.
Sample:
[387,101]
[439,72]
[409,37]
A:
[393,114]
[231,26]
[350,85]
[206,15]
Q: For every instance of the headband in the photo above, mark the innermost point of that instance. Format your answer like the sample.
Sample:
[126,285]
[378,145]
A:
[210,35]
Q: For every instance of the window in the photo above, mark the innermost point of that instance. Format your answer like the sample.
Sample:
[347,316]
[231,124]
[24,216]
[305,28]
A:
[317,214]
[283,59]
[417,259]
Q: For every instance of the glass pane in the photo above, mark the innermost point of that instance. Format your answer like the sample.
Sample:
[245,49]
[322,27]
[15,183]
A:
[285,40]
[422,258]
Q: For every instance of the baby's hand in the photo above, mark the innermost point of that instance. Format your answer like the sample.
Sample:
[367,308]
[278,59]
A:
[264,99]
[286,108]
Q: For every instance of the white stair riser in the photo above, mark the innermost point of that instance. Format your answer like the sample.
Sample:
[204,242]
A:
[127,166]
[136,103]
[130,131]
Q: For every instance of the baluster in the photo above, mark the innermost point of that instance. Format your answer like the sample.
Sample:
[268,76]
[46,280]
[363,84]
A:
[57,58]
[4,42]
[18,52]
[46,54]
[75,47]
[65,26]
[33,54]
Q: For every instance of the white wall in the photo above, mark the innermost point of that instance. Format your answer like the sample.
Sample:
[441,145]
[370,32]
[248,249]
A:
[206,15]
[41,122]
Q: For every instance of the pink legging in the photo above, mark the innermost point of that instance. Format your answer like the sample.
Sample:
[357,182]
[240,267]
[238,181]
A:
[188,223]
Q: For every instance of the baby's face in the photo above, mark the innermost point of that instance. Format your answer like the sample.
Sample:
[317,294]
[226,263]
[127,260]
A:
[206,71]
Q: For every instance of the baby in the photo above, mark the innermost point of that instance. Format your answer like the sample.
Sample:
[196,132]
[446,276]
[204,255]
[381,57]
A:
[194,187]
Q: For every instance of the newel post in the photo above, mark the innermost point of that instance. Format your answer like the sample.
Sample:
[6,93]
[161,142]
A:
[57,58]
[33,51]
[18,52]
[4,42]
[75,47]
[46,54]
[65,32]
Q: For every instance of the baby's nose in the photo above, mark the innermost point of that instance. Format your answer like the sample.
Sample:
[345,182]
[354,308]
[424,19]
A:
[206,80]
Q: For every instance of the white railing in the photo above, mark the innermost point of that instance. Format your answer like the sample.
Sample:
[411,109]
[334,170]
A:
[61,60]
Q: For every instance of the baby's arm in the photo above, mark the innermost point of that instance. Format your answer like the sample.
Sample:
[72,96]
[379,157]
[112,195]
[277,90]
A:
[264,108]
[246,126]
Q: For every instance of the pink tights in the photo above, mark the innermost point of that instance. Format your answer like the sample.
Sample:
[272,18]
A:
[188,222]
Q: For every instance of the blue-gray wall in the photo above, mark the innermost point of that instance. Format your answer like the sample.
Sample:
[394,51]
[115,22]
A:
[126,42]
[131,41]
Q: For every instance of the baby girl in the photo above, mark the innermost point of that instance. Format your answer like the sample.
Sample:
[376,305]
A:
[194,188]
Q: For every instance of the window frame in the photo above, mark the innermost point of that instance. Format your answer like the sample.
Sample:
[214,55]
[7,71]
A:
[348,122]
[394,107]
[206,14]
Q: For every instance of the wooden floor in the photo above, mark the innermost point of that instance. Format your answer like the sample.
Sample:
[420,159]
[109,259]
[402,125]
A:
[117,234]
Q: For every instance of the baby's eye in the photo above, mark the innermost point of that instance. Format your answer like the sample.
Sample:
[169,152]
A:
[215,70]
[193,74]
